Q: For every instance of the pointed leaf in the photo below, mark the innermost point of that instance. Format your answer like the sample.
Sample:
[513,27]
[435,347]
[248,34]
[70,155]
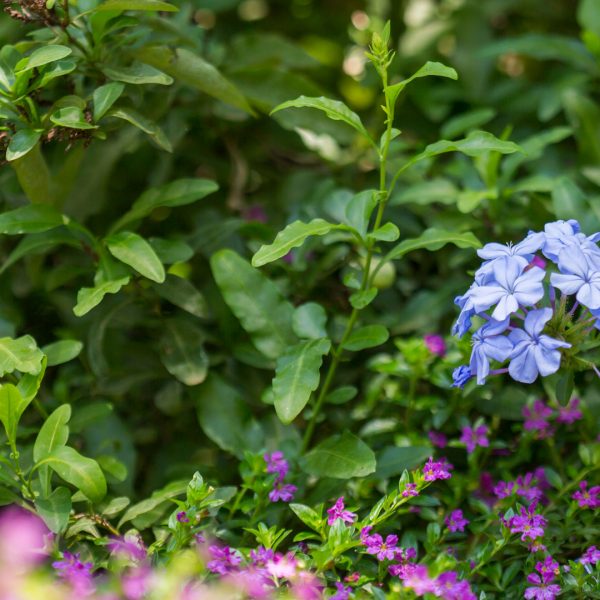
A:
[182,293]
[62,351]
[12,406]
[72,117]
[309,321]
[366,337]
[292,236]
[182,352]
[434,239]
[21,143]
[341,457]
[429,69]
[138,73]
[256,302]
[88,298]
[55,509]
[104,97]
[297,376]
[136,252]
[20,354]
[149,5]
[47,54]
[80,471]
[34,218]
[334,109]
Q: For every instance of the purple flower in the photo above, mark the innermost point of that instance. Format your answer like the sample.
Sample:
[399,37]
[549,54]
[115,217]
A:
[436,470]
[590,557]
[182,517]
[461,375]
[570,413]
[435,343]
[342,593]
[577,276]
[527,523]
[489,344]
[22,540]
[255,212]
[410,489]
[475,437]
[282,491]
[543,588]
[512,287]
[261,556]
[536,417]
[76,573]
[587,498]
[527,488]
[282,565]
[135,583]
[276,463]
[383,550]
[224,559]
[130,547]
[337,512]
[534,353]
[437,438]
[416,578]
[455,521]
[448,586]
[504,489]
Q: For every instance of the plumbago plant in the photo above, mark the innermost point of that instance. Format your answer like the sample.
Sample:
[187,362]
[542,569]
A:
[457,506]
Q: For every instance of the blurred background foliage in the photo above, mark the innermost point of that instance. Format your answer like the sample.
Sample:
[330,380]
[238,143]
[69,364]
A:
[528,71]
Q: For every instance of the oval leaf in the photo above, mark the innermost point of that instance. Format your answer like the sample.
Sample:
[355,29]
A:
[429,69]
[34,218]
[309,321]
[366,337]
[20,354]
[136,252]
[182,293]
[104,97]
[62,351]
[55,509]
[434,239]
[21,143]
[47,54]
[297,377]
[182,352]
[342,457]
[88,298]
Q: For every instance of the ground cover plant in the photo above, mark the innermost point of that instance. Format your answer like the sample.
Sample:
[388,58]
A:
[299,300]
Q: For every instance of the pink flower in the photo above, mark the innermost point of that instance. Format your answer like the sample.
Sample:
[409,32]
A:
[437,438]
[282,566]
[587,498]
[435,344]
[417,578]
[536,418]
[538,261]
[410,489]
[570,413]
[543,588]
[448,586]
[130,547]
[22,540]
[437,470]
[591,556]
[455,521]
[342,593]
[337,512]
[527,523]
[136,583]
[76,573]
[504,489]
[276,463]
[282,491]
[383,550]
[475,437]
[224,559]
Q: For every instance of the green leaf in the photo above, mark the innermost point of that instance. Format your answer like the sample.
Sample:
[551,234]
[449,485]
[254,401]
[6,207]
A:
[135,251]
[144,124]
[362,299]
[182,293]
[52,434]
[292,236]
[256,302]
[104,97]
[309,321]
[55,509]
[190,69]
[21,143]
[466,121]
[476,143]
[341,457]
[297,376]
[113,466]
[359,209]
[568,199]
[386,233]
[176,193]
[366,337]
[308,516]
[71,117]
[171,251]
[33,218]
[334,109]
[12,406]
[433,239]
[46,54]
[150,5]
[182,352]
[57,69]
[429,69]
[80,471]
[393,460]
[88,298]
[20,354]
[29,384]
[62,351]
[138,73]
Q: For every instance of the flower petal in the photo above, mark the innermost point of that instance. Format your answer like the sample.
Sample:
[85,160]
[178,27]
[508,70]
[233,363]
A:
[536,320]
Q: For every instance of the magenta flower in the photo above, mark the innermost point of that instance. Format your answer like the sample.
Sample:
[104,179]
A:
[135,584]
[410,489]
[337,512]
[543,589]
[76,573]
[475,437]
[437,470]
[276,463]
[261,556]
[536,418]
[383,550]
[587,498]
[448,586]
[570,413]
[130,547]
[417,579]
[591,556]
[224,559]
[504,489]
[455,521]
[182,517]
[438,439]
[282,491]
[529,486]
[342,593]
[527,523]
[435,344]
[22,537]
[282,566]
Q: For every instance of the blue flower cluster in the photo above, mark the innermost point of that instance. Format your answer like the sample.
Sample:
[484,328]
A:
[516,299]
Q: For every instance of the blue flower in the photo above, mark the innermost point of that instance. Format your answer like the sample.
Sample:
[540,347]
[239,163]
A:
[534,353]
[526,249]
[512,287]
[461,375]
[463,322]
[577,277]
[557,235]
[488,343]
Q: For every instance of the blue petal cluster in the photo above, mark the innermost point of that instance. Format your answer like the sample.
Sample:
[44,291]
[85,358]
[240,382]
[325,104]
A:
[511,292]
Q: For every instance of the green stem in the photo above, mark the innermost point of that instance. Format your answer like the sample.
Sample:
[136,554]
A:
[337,352]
